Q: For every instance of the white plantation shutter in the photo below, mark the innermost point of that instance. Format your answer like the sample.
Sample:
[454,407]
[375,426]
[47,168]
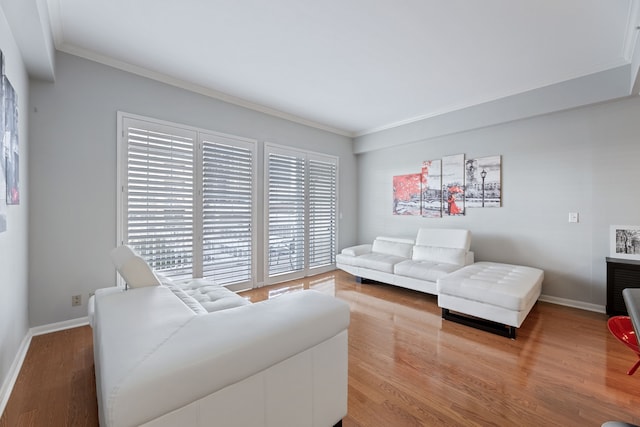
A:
[188,204]
[228,209]
[188,200]
[322,212]
[286,213]
[159,196]
[301,203]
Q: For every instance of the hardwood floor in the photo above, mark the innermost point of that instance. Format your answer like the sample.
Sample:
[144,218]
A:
[56,385]
[407,367]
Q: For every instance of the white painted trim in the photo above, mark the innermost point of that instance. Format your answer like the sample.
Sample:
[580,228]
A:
[54,18]
[481,101]
[631,36]
[14,370]
[59,326]
[572,303]
[173,81]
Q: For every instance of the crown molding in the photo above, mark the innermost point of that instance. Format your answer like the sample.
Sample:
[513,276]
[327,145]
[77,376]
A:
[479,102]
[221,96]
[631,36]
[55,21]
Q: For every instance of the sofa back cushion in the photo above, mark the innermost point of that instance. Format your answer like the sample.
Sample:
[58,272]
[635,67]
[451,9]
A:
[133,268]
[437,254]
[444,238]
[393,246]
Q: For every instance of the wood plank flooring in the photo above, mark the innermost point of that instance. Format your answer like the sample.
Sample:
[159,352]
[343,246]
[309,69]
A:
[56,385]
[407,367]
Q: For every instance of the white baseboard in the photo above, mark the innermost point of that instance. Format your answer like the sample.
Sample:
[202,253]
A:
[59,326]
[572,303]
[14,371]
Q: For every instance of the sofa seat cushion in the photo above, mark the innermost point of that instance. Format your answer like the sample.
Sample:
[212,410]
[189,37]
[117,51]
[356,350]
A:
[187,299]
[211,296]
[374,261]
[504,285]
[424,270]
[346,259]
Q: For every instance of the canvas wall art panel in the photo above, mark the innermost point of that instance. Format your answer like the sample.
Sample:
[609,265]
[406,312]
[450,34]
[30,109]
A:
[3,160]
[483,186]
[10,143]
[406,194]
[432,188]
[625,241]
[453,185]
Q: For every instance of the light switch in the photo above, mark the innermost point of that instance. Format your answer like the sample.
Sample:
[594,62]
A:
[573,216]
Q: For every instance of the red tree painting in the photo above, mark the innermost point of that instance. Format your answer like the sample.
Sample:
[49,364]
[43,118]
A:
[406,194]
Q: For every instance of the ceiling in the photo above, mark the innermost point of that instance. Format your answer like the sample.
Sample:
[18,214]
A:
[355,66]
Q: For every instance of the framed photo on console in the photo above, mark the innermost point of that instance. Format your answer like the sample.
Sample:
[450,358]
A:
[625,241]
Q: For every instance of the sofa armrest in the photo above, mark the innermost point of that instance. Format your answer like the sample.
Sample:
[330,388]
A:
[357,250]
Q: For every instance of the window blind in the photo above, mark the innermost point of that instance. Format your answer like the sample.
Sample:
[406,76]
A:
[228,229]
[188,201]
[188,204]
[322,212]
[159,195]
[286,213]
[301,199]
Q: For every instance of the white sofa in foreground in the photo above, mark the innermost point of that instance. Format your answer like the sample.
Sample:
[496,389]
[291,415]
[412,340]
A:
[414,264]
[162,359]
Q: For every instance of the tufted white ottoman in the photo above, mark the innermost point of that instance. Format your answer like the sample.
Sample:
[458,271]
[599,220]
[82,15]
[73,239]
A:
[491,296]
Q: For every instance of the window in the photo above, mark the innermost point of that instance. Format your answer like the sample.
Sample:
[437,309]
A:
[301,205]
[188,199]
[189,204]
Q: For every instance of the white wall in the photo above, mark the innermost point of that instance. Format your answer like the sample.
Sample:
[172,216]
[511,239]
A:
[584,160]
[13,242]
[73,174]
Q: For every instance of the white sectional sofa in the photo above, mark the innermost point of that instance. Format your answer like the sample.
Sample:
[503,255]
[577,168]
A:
[414,264]
[490,296]
[162,359]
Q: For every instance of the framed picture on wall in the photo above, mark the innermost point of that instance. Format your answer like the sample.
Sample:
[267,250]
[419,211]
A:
[11,146]
[483,182]
[406,194]
[432,188]
[3,158]
[625,241]
[453,185]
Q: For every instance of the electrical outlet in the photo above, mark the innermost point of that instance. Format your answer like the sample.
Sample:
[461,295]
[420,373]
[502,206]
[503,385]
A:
[76,300]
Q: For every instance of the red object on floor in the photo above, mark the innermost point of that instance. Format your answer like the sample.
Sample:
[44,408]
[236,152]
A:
[622,328]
